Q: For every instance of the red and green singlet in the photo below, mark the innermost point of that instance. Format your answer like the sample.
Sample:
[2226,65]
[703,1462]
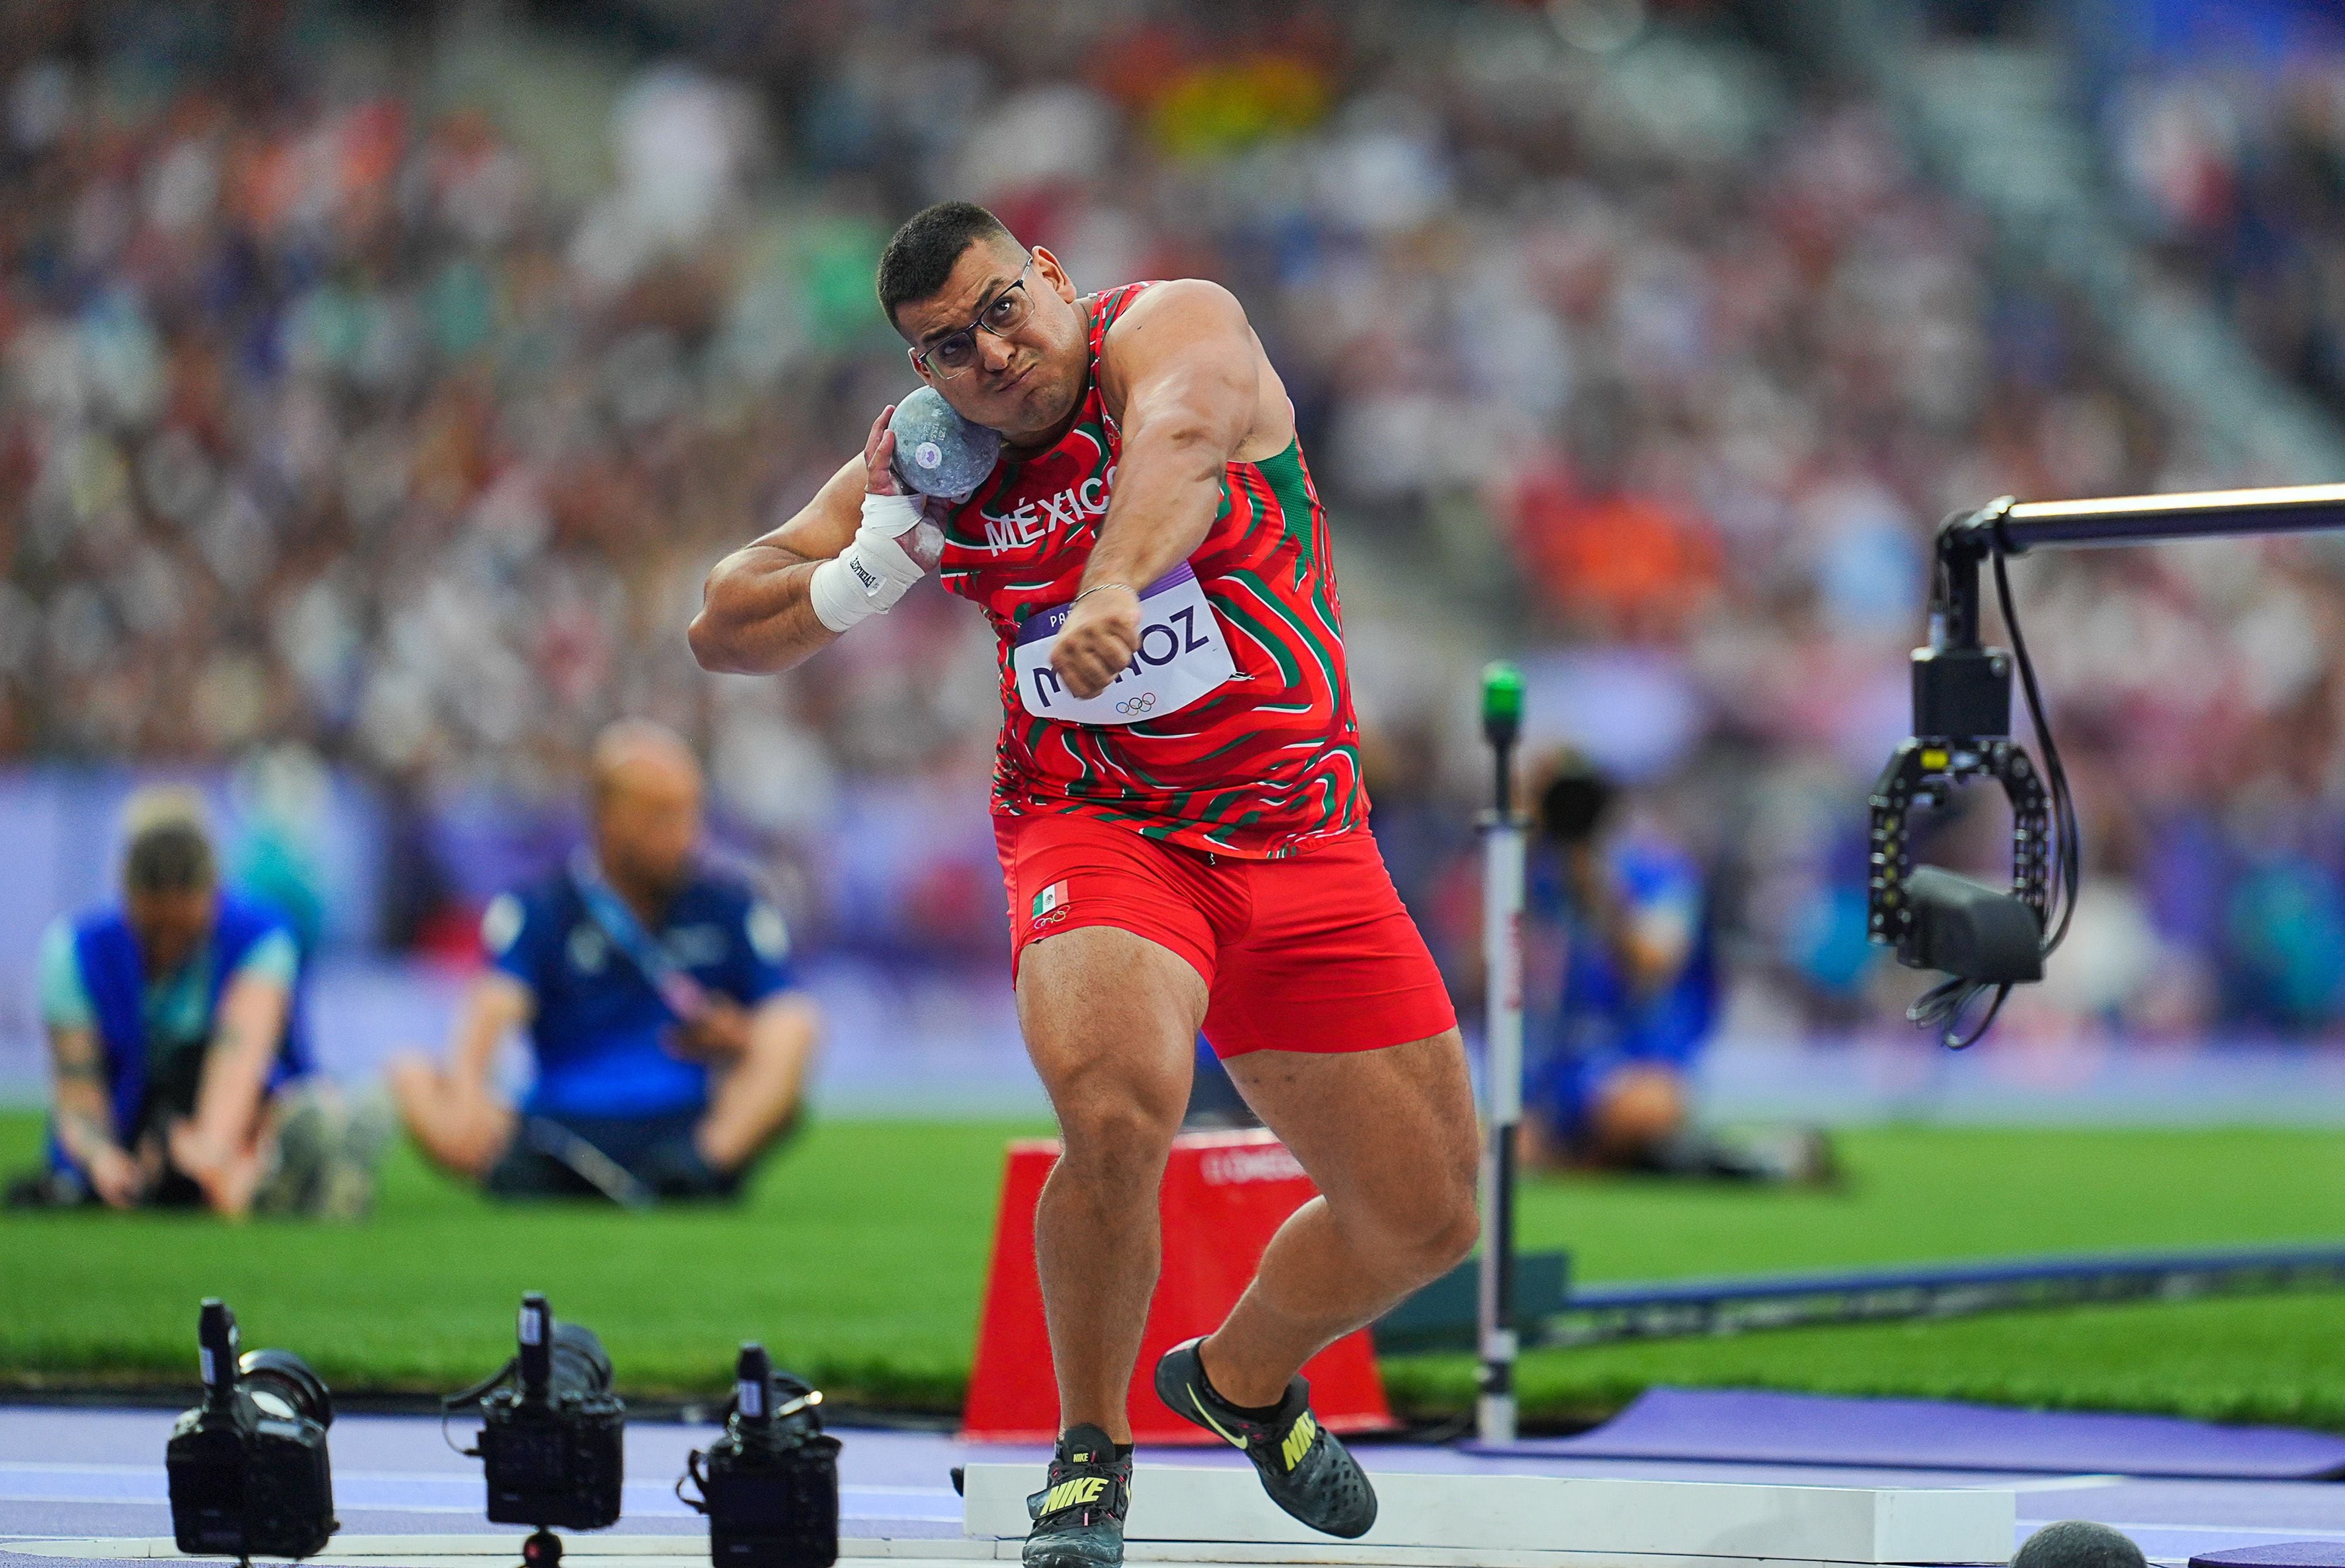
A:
[1258,766]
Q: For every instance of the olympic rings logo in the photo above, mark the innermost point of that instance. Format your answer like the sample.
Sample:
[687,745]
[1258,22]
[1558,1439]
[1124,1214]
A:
[1138,704]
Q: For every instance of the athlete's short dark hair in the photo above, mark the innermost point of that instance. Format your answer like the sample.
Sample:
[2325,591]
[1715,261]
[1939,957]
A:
[919,260]
[168,856]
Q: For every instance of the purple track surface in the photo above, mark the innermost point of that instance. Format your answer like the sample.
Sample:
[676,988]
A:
[1813,1429]
[2287,1554]
[85,1472]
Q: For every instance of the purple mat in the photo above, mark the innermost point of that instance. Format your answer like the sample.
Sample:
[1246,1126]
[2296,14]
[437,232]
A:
[2289,1554]
[1814,1428]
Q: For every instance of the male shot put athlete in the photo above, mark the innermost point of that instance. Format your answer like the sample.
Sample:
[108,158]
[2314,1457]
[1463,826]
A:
[1182,828]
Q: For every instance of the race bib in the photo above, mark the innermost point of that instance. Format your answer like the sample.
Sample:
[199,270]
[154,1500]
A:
[1180,657]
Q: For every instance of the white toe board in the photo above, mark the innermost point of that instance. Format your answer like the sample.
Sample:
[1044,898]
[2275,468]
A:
[1550,1514]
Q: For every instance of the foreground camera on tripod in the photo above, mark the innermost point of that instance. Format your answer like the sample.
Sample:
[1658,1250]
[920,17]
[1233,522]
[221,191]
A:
[552,1432]
[770,1485]
[247,1466]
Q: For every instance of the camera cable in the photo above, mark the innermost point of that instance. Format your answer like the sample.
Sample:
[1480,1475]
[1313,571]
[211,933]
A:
[1942,1007]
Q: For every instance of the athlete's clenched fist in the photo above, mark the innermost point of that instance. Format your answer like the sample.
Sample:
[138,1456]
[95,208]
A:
[1102,633]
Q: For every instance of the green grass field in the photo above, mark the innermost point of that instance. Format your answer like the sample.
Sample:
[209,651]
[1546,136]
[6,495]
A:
[860,1257]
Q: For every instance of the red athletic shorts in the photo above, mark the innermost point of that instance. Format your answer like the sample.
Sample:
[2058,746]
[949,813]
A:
[1312,952]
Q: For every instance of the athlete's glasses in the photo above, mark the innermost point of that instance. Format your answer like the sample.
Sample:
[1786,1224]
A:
[1004,314]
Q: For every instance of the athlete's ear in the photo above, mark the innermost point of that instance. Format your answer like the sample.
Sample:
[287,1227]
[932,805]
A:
[1047,266]
[920,366]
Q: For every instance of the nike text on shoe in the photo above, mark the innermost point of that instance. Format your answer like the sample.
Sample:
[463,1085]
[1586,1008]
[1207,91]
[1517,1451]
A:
[1079,1513]
[1303,1466]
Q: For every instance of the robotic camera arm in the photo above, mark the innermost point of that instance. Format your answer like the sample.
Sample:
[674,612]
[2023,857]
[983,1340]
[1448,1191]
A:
[1988,939]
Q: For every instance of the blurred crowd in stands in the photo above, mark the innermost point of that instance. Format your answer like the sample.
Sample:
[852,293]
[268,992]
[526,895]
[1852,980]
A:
[334,423]
[2224,126]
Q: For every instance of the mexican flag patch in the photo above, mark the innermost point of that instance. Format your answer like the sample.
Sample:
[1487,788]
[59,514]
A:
[1053,897]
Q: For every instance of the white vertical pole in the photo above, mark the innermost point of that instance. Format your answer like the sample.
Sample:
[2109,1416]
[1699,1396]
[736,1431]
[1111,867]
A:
[1502,950]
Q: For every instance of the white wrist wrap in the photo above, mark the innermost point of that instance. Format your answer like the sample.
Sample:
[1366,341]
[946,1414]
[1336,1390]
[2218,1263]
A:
[875,570]
[890,514]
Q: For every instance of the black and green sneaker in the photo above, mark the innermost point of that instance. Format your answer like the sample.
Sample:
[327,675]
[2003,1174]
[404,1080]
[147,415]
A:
[1305,1470]
[1078,1515]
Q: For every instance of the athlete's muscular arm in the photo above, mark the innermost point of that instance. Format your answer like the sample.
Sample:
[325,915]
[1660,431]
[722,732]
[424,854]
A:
[756,610]
[755,614]
[1192,381]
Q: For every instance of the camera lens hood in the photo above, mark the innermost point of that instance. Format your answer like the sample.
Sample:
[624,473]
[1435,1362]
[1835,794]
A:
[580,1363]
[288,1377]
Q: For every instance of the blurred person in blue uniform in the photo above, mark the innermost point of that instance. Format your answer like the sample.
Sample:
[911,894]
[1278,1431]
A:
[671,1048]
[1613,1086]
[178,1050]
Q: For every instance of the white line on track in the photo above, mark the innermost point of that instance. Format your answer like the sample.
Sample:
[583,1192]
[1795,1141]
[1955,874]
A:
[2063,1483]
[412,1477]
[2301,1532]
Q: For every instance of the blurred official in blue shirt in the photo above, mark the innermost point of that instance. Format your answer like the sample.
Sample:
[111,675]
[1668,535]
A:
[1613,1085]
[174,1021]
[1641,981]
[670,1047]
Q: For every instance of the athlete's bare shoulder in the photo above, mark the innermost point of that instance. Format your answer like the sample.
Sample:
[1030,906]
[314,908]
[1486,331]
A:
[1179,313]
[1193,330]
[1179,294]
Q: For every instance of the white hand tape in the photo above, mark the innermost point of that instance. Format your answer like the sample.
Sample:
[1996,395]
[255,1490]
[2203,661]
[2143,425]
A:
[867,577]
[891,515]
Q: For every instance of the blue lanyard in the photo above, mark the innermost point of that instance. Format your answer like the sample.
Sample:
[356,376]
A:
[679,992]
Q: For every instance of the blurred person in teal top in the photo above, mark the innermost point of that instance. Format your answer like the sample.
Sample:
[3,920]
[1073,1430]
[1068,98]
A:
[670,1043]
[176,1031]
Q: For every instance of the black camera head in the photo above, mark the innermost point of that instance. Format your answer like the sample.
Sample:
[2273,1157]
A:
[552,1435]
[769,1483]
[1970,930]
[1936,920]
[248,1467]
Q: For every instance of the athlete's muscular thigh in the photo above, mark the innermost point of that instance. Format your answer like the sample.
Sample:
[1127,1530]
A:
[1111,1021]
[1389,1136]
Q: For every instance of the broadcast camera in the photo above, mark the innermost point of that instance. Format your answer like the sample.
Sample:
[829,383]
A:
[248,1467]
[770,1487]
[553,1432]
[1988,939]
